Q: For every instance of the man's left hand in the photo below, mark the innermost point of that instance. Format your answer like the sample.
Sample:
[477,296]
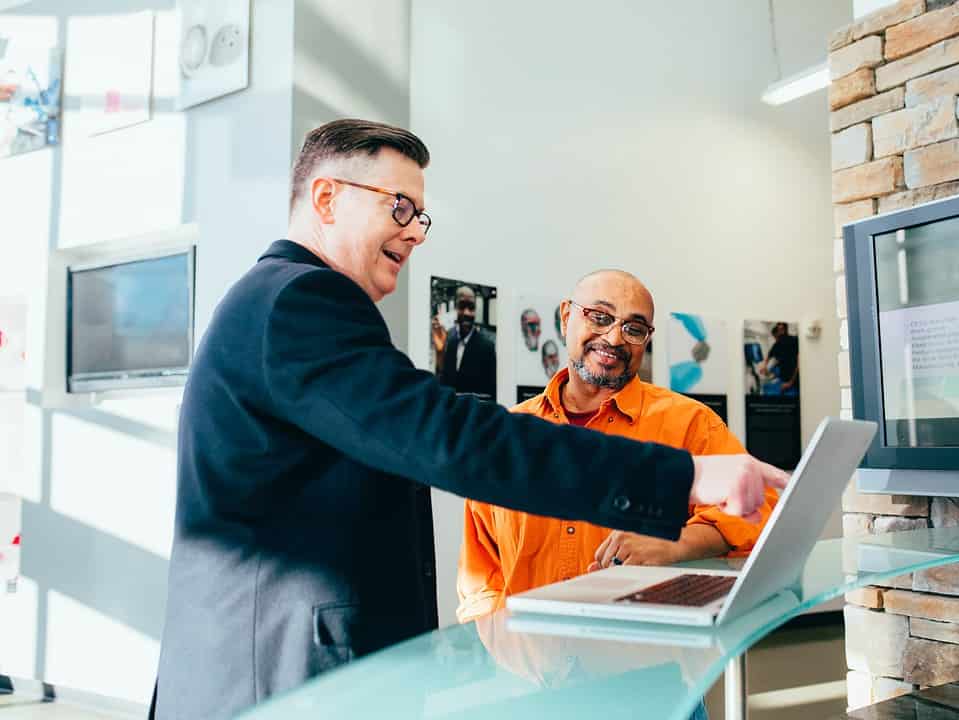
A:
[633,549]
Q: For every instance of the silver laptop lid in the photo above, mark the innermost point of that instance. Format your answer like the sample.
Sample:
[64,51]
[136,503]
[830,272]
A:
[801,514]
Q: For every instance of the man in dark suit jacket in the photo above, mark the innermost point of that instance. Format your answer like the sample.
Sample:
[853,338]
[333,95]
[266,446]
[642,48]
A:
[467,361]
[307,443]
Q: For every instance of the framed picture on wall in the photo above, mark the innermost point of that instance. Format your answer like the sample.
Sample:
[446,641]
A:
[13,362]
[111,70]
[13,344]
[699,360]
[771,380]
[540,348]
[30,89]
[463,336]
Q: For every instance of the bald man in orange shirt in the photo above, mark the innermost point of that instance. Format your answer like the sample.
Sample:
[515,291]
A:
[607,324]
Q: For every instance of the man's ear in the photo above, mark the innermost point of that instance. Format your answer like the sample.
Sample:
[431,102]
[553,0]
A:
[564,308]
[322,192]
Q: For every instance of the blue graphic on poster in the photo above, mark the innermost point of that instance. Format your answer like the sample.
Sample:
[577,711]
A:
[698,359]
[697,354]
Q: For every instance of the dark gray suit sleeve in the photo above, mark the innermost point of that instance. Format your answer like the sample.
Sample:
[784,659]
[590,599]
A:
[330,369]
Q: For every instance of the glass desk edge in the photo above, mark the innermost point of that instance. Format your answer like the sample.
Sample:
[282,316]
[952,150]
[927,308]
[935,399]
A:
[932,547]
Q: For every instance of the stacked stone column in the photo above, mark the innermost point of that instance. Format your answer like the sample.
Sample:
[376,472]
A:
[895,144]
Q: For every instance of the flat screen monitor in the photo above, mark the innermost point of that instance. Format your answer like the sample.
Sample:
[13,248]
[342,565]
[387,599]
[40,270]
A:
[130,324]
[902,282]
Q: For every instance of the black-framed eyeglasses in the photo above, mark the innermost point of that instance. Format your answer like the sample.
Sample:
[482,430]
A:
[404,209]
[635,332]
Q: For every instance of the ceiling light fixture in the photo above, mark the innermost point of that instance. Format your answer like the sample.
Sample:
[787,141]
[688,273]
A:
[802,83]
[795,86]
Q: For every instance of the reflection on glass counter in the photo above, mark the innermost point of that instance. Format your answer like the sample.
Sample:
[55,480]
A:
[521,666]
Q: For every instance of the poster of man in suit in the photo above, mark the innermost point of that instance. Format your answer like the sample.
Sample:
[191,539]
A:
[463,336]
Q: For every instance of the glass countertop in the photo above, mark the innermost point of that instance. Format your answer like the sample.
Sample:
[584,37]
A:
[511,665]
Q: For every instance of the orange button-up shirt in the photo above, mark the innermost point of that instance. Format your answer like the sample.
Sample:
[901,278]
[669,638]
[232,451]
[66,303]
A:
[506,552]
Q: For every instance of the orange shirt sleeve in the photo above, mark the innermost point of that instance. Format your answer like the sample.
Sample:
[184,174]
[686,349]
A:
[479,577]
[712,437]
[480,584]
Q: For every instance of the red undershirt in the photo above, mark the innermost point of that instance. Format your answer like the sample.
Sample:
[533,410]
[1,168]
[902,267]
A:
[579,419]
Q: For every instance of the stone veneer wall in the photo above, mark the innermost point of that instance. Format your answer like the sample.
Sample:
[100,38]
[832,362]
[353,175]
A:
[895,144]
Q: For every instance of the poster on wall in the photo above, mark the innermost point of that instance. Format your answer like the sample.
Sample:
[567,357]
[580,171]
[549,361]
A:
[771,380]
[13,417]
[539,342]
[13,344]
[214,49]
[30,89]
[13,361]
[111,67]
[698,360]
[463,336]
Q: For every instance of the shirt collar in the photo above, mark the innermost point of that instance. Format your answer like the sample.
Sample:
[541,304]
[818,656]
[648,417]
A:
[628,401]
[290,250]
[456,334]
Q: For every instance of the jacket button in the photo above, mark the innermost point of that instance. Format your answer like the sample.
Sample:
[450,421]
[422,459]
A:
[621,503]
[610,418]
[556,415]
[570,530]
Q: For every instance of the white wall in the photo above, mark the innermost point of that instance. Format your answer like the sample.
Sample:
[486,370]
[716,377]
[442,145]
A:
[352,59]
[100,481]
[628,135]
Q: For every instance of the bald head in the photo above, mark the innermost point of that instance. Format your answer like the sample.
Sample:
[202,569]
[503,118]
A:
[601,356]
[591,288]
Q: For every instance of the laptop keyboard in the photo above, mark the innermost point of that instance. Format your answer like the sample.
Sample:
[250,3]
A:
[686,590]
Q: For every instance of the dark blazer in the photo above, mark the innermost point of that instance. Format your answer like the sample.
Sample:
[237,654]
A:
[302,540]
[477,370]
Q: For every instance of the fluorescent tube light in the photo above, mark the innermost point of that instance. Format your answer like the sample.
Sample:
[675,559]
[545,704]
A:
[795,86]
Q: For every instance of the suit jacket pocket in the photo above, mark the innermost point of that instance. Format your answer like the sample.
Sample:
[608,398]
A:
[333,635]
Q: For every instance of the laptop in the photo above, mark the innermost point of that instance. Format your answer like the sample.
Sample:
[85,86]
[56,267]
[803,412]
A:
[682,596]
[722,637]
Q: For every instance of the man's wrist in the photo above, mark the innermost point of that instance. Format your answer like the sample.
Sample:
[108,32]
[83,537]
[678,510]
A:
[702,541]
[683,550]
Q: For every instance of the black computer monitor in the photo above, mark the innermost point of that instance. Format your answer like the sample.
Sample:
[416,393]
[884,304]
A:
[130,323]
[902,283]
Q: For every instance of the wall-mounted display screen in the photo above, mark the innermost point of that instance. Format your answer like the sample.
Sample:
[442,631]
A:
[917,283]
[130,324]
[902,286]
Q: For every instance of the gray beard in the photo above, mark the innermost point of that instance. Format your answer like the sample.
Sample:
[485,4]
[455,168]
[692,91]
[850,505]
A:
[613,382]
